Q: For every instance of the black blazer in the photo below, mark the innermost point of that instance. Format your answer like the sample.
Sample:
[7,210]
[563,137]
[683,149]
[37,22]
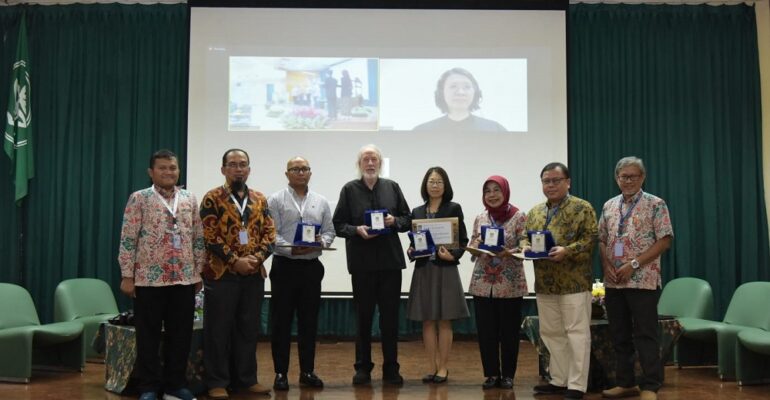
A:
[445,210]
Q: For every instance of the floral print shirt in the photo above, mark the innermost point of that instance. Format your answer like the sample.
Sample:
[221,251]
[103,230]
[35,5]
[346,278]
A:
[574,227]
[147,251]
[648,222]
[499,277]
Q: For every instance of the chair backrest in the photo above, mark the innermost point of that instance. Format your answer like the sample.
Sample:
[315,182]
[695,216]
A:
[83,297]
[16,307]
[687,297]
[748,307]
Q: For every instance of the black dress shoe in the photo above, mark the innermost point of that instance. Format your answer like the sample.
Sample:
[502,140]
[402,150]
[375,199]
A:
[310,379]
[490,383]
[505,383]
[393,379]
[281,382]
[550,389]
[441,379]
[428,378]
[573,394]
[362,378]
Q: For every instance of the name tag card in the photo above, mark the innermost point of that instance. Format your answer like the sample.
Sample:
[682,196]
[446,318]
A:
[243,237]
[306,233]
[375,220]
[177,240]
[422,244]
[541,243]
[493,238]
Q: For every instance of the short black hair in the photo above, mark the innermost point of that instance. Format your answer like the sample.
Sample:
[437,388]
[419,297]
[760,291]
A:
[162,153]
[448,192]
[224,156]
[555,165]
[439,95]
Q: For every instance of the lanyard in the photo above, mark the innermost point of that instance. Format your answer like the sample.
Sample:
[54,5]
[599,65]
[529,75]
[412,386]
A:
[549,215]
[623,218]
[300,206]
[241,207]
[172,211]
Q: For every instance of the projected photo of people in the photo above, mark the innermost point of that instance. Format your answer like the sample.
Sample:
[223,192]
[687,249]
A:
[468,95]
[303,93]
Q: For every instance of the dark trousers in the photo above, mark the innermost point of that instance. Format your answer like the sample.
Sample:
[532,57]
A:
[498,322]
[231,311]
[296,286]
[164,312]
[633,318]
[381,289]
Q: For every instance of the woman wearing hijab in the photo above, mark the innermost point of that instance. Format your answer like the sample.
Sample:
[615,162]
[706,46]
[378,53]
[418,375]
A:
[498,286]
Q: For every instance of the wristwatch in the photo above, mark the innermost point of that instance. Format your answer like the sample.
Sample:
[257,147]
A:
[634,264]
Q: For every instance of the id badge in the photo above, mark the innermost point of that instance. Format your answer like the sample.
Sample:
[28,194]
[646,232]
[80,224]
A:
[243,237]
[490,239]
[378,221]
[538,242]
[177,240]
[308,233]
[617,251]
[420,242]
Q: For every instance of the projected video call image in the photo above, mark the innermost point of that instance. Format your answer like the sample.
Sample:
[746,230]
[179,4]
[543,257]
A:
[303,93]
[475,95]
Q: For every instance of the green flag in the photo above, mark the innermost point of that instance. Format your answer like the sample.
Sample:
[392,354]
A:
[18,129]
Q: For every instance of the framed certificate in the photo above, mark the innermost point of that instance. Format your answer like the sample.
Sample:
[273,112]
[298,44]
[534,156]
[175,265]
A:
[444,231]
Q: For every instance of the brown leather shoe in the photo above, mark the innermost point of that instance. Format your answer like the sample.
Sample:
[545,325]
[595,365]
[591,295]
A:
[259,389]
[648,395]
[218,394]
[619,392]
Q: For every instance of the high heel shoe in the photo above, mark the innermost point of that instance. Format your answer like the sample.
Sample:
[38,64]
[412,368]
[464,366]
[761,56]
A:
[429,378]
[441,379]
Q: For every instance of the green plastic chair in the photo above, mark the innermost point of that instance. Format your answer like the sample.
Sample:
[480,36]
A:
[752,356]
[88,301]
[24,342]
[746,310]
[692,298]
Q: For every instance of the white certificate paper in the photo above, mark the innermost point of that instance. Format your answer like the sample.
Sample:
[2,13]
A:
[538,242]
[444,231]
[490,239]
[308,233]
[420,242]
[378,221]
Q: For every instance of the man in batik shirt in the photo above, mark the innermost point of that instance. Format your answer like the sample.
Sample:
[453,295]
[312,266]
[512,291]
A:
[634,229]
[161,255]
[239,237]
[563,282]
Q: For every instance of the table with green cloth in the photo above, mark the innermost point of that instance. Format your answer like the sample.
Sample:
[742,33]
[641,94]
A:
[602,371]
[119,345]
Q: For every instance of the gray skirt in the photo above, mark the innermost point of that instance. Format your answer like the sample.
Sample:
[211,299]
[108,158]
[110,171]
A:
[436,293]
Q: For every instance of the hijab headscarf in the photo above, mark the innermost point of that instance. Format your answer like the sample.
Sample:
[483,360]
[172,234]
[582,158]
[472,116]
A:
[504,211]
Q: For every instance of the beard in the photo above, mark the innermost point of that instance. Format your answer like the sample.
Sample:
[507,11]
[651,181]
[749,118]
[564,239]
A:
[237,185]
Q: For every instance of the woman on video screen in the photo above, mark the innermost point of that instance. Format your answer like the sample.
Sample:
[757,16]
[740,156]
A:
[457,96]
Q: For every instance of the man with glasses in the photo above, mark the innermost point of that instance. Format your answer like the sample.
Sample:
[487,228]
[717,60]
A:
[239,236]
[634,230]
[563,282]
[296,273]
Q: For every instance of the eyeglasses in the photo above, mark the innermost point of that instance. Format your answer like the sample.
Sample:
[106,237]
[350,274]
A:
[629,178]
[297,170]
[435,183]
[234,165]
[552,181]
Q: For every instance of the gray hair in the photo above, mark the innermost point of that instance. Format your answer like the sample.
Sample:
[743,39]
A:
[364,149]
[628,162]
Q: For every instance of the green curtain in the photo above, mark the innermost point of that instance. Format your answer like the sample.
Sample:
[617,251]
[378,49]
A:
[109,87]
[679,87]
[9,238]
